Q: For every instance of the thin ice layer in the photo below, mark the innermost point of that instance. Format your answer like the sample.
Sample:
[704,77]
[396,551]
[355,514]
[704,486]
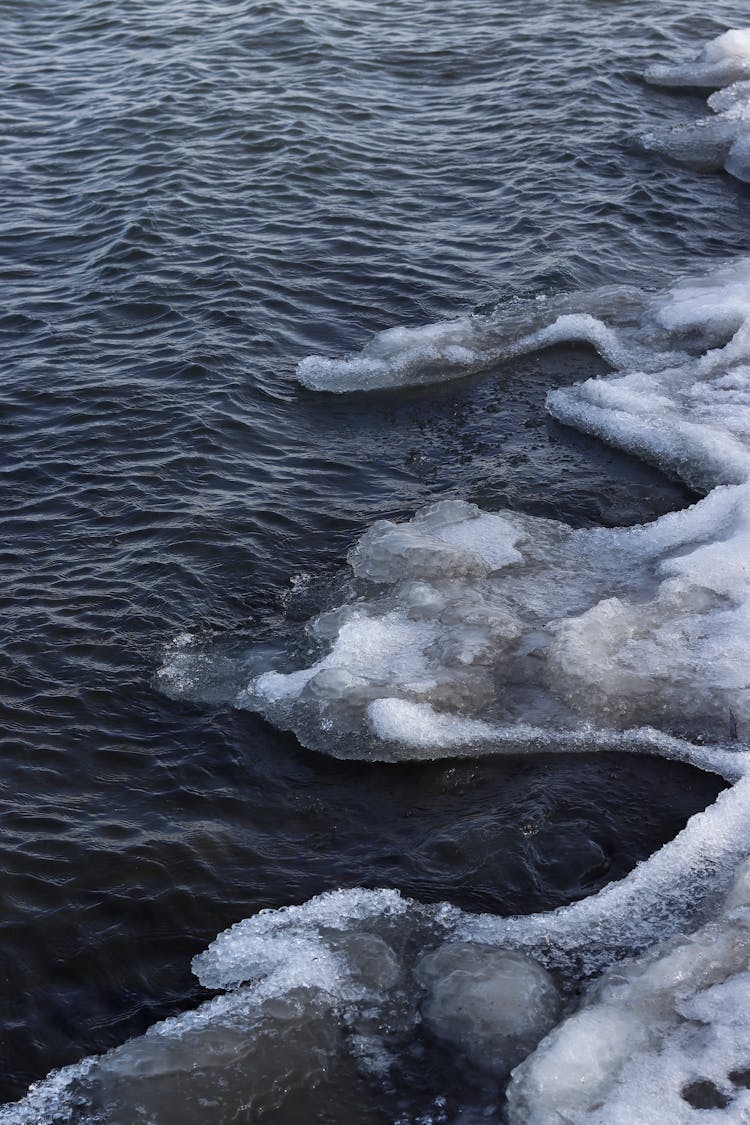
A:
[321,1001]
[647,625]
[438,353]
[572,630]
[304,1040]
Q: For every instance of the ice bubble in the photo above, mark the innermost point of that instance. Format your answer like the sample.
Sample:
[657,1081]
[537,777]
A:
[494,1004]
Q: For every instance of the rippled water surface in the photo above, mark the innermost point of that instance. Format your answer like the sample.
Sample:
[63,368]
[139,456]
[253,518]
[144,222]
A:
[197,195]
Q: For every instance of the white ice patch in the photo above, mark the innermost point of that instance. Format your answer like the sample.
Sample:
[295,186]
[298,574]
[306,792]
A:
[432,351]
[310,1028]
[663,1038]
[721,141]
[548,628]
[427,733]
[437,353]
[721,62]
[323,998]
[460,621]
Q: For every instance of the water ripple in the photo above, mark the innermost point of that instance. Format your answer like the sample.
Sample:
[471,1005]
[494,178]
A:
[197,195]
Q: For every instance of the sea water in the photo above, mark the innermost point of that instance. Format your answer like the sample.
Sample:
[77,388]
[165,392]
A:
[511,661]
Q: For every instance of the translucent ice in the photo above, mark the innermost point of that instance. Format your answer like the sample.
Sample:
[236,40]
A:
[493,1004]
[437,353]
[517,622]
[724,60]
[721,141]
[464,632]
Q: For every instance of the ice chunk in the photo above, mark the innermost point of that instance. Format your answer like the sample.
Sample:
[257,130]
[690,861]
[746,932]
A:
[658,1039]
[704,144]
[457,619]
[738,160]
[494,1004]
[722,141]
[296,940]
[302,1041]
[539,626]
[399,355]
[450,539]
[733,101]
[436,353]
[721,62]
[466,632]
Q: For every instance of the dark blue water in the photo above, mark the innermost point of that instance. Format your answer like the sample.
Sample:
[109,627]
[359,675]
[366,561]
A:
[197,195]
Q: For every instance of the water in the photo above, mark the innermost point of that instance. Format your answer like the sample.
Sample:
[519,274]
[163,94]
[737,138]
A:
[197,197]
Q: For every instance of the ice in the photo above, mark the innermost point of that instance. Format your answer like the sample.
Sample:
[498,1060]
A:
[436,353]
[427,733]
[291,939]
[549,627]
[704,144]
[738,160]
[494,1005]
[733,101]
[430,353]
[465,632]
[721,62]
[662,1038]
[306,1035]
[322,1000]
[457,618]
[721,141]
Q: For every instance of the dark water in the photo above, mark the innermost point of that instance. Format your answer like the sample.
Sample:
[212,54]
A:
[196,196]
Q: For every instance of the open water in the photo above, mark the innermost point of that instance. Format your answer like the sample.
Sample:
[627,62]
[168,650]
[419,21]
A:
[197,196]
